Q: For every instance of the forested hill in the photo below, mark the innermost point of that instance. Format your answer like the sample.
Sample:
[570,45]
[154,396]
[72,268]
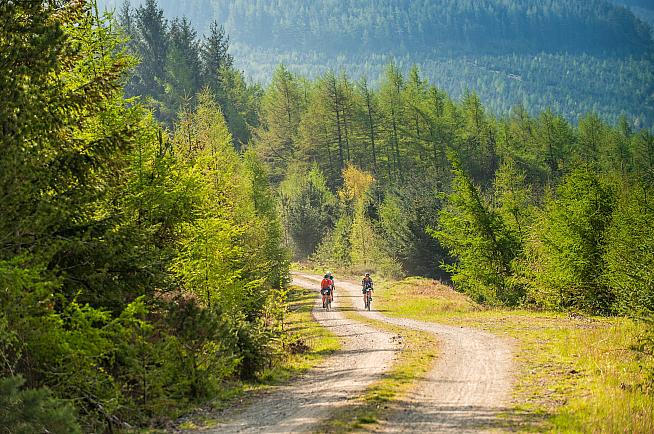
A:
[440,26]
[643,9]
[571,56]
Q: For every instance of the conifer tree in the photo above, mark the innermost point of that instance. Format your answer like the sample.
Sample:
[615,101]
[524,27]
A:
[478,239]
[477,139]
[276,138]
[416,123]
[565,251]
[215,57]
[555,137]
[392,106]
[183,69]
[629,252]
[151,42]
[369,120]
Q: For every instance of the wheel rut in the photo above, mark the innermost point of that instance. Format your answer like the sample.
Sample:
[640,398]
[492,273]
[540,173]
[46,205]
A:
[301,405]
[466,391]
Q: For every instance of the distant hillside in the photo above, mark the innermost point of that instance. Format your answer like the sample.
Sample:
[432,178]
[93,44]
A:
[642,9]
[399,26]
[572,55]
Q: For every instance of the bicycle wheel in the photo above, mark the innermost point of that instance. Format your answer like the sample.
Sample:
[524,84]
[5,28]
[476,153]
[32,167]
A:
[368,303]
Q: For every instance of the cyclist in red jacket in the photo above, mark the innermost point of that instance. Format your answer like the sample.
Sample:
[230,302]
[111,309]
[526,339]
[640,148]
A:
[326,289]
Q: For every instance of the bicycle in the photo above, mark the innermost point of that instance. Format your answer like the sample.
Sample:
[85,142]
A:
[327,299]
[368,300]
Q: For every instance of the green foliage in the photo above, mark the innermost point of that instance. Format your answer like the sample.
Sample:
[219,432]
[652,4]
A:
[276,139]
[182,68]
[629,253]
[308,208]
[174,65]
[602,64]
[200,355]
[142,269]
[478,238]
[26,411]
[355,244]
[394,222]
[334,251]
[404,215]
[643,156]
[566,246]
[138,273]
[513,198]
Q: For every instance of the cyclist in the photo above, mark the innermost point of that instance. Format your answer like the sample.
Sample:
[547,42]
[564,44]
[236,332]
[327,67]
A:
[325,289]
[366,288]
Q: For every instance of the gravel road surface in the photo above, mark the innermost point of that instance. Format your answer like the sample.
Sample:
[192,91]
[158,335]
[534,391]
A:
[469,386]
[299,406]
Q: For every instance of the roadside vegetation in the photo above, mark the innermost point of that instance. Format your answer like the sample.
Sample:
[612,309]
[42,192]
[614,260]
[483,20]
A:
[575,373]
[305,343]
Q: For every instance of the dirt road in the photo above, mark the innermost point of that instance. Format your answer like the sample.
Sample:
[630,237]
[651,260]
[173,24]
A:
[469,386]
[299,406]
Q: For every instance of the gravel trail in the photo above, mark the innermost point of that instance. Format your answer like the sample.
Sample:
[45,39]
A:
[299,406]
[468,387]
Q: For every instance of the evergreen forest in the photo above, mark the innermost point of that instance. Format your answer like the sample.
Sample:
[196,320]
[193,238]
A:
[152,197]
[571,56]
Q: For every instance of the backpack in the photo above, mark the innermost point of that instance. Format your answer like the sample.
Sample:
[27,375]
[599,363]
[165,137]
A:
[326,283]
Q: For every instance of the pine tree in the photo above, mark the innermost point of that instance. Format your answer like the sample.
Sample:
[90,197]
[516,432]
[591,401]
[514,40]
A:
[477,138]
[591,142]
[416,123]
[276,138]
[564,254]
[309,210]
[629,252]
[369,120]
[555,137]
[215,57]
[392,106]
[183,69]
[479,240]
[151,42]
[33,410]
[642,149]
[322,132]
[513,197]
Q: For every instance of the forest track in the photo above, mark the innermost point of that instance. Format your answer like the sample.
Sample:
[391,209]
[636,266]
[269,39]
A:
[301,405]
[466,391]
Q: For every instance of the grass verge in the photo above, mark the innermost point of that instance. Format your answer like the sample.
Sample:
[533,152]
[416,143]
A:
[305,346]
[416,357]
[573,373]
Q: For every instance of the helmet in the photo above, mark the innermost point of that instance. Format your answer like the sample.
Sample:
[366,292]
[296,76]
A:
[367,274]
[329,273]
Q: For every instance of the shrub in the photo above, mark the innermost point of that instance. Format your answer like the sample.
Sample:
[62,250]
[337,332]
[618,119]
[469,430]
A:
[28,411]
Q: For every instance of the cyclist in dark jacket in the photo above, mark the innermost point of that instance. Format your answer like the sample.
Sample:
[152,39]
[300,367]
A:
[366,286]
